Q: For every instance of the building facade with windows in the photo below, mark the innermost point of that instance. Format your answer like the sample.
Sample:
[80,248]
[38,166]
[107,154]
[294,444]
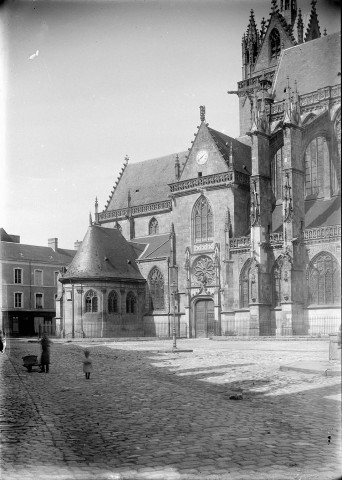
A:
[242,235]
[29,276]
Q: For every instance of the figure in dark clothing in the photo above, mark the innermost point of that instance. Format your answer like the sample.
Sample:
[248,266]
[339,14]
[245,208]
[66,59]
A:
[45,357]
[2,342]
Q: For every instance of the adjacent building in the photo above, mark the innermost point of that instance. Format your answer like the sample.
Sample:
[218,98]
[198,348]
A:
[29,276]
[236,235]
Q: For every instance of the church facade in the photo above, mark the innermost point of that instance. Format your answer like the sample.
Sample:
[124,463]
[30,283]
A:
[235,236]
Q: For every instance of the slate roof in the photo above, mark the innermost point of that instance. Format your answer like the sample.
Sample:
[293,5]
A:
[313,65]
[241,151]
[155,246]
[147,181]
[22,252]
[104,254]
[318,213]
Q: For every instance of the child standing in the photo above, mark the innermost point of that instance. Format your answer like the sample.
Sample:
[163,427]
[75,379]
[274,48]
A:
[87,364]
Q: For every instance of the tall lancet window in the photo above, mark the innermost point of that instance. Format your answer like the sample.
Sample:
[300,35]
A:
[324,279]
[336,165]
[153,228]
[91,301]
[316,160]
[156,283]
[202,221]
[277,174]
[274,43]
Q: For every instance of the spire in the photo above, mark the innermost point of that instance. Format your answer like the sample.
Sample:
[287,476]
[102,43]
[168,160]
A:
[177,168]
[300,27]
[295,117]
[202,113]
[263,28]
[96,212]
[253,40]
[231,154]
[313,31]
[287,104]
[129,198]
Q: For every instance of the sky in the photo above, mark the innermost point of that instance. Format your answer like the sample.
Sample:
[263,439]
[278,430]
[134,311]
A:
[110,79]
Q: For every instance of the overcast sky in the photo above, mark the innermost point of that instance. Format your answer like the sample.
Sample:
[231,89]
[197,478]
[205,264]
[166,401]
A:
[111,79]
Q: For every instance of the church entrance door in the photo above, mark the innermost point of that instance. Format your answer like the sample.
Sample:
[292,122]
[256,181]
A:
[204,318]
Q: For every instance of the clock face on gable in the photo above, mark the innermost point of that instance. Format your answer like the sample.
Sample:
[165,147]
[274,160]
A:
[202,157]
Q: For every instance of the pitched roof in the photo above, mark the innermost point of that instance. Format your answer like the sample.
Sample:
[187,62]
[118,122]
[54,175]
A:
[313,65]
[318,213]
[156,246]
[21,252]
[241,151]
[104,253]
[147,182]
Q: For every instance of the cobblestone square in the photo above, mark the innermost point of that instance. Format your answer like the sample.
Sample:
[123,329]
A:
[148,413]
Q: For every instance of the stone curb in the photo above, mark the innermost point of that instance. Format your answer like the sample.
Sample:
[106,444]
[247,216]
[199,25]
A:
[328,372]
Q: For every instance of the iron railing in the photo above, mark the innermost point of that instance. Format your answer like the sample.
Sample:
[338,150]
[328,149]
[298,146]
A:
[127,330]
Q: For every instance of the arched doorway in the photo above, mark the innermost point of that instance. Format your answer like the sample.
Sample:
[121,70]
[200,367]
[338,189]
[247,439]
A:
[205,324]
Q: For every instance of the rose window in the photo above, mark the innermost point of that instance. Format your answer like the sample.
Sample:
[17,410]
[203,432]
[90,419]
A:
[204,270]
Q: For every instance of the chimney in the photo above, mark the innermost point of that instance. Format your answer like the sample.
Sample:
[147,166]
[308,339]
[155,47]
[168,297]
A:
[53,243]
[77,244]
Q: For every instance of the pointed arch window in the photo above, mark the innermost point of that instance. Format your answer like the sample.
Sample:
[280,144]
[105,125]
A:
[156,283]
[277,174]
[130,303]
[316,159]
[202,221]
[113,304]
[324,280]
[274,44]
[153,228]
[244,285]
[91,301]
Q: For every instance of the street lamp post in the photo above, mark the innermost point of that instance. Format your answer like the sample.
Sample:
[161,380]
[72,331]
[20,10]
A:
[173,291]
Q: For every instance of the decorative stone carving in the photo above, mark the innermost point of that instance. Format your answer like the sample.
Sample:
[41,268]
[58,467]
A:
[287,201]
[254,281]
[255,207]
[204,270]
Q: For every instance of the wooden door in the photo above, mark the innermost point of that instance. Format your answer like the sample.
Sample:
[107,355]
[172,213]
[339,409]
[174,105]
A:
[204,318]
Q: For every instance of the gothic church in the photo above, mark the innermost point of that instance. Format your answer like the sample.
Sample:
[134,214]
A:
[235,236]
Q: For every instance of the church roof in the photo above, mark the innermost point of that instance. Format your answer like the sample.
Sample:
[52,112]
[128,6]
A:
[22,252]
[104,253]
[313,65]
[241,151]
[147,181]
[318,213]
[156,246]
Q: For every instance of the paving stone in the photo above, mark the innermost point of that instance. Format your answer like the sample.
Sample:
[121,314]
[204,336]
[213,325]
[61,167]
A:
[162,413]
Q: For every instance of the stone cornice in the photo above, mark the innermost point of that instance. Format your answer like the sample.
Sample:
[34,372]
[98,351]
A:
[218,180]
[164,205]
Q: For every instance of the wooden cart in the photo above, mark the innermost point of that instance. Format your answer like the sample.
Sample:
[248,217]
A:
[31,361]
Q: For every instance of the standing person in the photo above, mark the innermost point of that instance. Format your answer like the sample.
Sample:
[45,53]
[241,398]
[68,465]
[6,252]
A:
[45,357]
[87,364]
[2,341]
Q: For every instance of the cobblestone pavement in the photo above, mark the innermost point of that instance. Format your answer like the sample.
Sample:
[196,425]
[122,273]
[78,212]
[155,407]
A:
[147,413]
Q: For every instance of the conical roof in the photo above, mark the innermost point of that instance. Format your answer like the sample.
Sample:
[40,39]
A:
[103,254]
